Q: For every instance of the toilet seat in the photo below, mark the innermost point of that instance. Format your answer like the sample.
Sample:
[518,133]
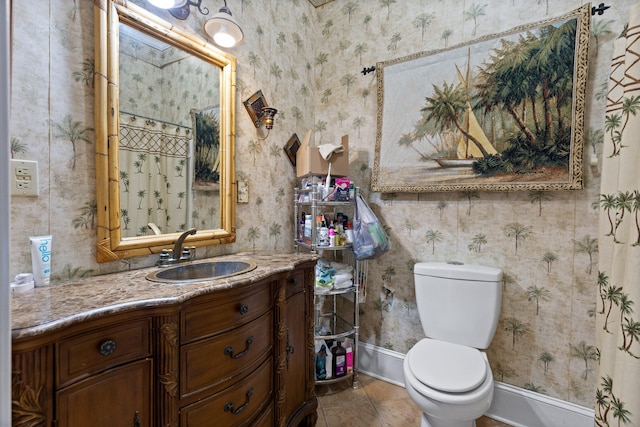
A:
[448,367]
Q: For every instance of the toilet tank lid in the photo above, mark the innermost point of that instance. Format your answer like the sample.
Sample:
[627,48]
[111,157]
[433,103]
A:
[458,270]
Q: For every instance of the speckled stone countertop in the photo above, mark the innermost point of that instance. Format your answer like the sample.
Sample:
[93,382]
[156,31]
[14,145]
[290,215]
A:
[47,308]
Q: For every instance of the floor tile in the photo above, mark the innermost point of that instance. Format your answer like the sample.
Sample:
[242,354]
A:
[375,403]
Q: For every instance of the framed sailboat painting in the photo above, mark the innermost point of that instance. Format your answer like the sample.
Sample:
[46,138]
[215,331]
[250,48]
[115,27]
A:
[501,113]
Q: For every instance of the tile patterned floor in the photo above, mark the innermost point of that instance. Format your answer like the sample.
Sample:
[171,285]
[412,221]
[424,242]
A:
[375,403]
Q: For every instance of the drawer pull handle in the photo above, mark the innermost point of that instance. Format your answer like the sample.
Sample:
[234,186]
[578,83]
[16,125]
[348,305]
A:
[228,351]
[136,419]
[107,348]
[294,281]
[244,309]
[229,406]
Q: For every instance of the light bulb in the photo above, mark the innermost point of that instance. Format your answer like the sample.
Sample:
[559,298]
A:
[223,38]
[167,4]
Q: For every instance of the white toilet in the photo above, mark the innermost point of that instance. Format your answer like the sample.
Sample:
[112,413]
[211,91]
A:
[447,374]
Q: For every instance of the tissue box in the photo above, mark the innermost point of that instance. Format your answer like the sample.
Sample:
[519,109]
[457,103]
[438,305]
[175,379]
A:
[310,162]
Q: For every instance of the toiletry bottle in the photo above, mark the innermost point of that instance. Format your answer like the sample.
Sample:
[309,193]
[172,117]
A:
[307,229]
[352,191]
[349,232]
[323,235]
[332,236]
[321,360]
[339,360]
[301,228]
[349,349]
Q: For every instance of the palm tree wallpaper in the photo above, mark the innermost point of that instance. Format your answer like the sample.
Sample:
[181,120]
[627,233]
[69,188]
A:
[308,63]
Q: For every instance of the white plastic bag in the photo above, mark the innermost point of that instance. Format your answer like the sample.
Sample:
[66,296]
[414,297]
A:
[369,238]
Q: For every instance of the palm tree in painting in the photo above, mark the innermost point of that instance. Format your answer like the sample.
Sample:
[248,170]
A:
[141,196]
[446,107]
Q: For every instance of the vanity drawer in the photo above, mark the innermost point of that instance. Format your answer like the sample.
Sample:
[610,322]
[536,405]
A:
[295,284]
[233,309]
[88,353]
[236,406]
[209,365]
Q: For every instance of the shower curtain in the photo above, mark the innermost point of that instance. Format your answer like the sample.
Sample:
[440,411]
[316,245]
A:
[618,306]
[153,176]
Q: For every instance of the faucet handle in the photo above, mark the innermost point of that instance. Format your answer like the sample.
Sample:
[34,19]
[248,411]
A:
[165,258]
[188,253]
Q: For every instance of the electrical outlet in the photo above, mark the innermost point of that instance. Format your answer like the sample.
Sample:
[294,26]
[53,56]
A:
[24,178]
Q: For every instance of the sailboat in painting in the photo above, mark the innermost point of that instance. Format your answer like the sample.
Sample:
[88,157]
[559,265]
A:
[467,151]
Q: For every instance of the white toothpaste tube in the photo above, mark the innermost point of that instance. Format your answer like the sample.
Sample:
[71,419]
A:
[41,259]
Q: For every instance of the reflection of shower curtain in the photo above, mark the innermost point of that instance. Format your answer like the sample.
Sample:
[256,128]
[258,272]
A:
[618,305]
[153,175]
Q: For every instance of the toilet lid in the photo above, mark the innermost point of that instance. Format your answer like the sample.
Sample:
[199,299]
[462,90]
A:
[448,367]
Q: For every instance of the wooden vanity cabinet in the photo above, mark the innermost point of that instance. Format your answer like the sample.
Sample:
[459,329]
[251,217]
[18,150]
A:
[237,356]
[97,373]
[300,402]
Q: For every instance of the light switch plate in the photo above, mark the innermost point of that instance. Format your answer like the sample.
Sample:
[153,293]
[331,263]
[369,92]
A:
[24,177]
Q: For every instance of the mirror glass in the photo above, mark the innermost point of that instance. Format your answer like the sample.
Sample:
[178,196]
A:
[169,137]
[164,135]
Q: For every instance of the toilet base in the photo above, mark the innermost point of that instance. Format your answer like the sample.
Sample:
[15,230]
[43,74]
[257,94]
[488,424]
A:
[430,421]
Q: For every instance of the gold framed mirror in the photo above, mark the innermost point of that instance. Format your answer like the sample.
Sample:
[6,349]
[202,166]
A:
[115,238]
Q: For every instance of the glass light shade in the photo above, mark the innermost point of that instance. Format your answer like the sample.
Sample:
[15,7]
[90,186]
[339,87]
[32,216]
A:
[168,4]
[223,30]
[268,117]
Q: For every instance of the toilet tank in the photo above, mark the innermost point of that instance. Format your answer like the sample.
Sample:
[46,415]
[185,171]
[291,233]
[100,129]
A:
[458,303]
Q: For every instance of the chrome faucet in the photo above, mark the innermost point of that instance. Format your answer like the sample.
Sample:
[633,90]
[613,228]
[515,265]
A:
[178,253]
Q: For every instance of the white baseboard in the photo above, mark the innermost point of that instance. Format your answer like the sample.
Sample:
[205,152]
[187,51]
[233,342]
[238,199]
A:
[512,405]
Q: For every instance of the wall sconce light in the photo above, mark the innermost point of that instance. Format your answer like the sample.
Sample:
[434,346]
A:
[222,29]
[260,113]
[180,8]
[268,114]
